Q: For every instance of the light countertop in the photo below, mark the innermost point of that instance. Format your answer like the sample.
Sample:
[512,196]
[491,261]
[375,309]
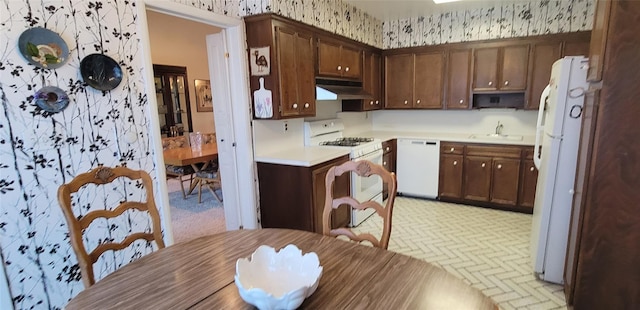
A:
[307,156]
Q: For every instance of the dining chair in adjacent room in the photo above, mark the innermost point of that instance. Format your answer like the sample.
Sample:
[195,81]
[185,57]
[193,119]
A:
[178,171]
[103,177]
[362,168]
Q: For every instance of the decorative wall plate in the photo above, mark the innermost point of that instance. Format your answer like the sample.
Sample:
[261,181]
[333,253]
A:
[100,72]
[43,48]
[51,99]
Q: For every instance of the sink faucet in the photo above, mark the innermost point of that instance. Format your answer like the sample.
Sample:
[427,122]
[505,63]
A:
[499,128]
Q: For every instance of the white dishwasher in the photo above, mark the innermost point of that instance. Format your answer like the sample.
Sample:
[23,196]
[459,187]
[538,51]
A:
[418,165]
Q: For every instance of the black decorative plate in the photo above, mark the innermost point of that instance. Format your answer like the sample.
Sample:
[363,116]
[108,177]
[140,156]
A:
[100,72]
[43,48]
[51,99]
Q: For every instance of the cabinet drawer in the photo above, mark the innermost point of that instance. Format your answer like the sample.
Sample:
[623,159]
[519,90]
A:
[451,148]
[494,151]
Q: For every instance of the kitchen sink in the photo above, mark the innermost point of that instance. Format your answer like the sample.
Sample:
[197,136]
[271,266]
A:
[494,136]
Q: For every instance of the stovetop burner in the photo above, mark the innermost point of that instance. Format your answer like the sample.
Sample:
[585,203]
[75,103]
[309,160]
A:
[347,141]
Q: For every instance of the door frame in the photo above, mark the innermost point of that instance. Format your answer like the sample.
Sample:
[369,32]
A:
[240,210]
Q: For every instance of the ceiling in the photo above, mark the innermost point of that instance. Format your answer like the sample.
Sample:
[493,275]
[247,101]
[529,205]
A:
[400,9]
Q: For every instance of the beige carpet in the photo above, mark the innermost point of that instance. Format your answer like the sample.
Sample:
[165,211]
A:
[191,219]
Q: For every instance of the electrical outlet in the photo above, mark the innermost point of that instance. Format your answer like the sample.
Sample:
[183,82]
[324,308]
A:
[285,126]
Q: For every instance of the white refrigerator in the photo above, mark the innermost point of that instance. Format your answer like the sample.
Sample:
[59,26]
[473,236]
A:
[556,152]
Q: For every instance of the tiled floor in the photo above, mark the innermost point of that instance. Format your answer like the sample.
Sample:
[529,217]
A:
[487,248]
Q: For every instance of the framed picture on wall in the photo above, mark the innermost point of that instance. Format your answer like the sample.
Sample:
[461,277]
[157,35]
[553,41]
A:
[204,101]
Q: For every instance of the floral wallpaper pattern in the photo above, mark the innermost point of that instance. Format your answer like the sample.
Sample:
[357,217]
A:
[39,150]
[526,18]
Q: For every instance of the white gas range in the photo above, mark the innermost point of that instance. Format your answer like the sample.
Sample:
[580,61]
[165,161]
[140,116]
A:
[329,133]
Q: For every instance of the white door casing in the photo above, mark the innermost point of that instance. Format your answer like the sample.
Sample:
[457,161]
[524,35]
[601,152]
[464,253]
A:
[235,145]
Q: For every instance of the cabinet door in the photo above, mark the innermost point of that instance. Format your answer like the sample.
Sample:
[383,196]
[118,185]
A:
[351,62]
[386,163]
[286,41]
[341,187]
[504,181]
[399,81]
[450,176]
[371,81]
[376,77]
[477,181]
[428,80]
[515,61]
[485,73]
[329,59]
[458,79]
[306,81]
[529,180]
[543,57]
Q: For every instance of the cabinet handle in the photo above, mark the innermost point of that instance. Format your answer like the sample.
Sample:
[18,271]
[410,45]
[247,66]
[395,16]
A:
[371,103]
[418,101]
[490,83]
[406,102]
[387,148]
[532,169]
[506,83]
[483,164]
[455,162]
[384,163]
[499,166]
[461,101]
[346,69]
[306,105]
[377,102]
[339,68]
[453,149]
[295,105]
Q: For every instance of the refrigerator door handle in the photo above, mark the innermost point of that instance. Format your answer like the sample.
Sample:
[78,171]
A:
[540,126]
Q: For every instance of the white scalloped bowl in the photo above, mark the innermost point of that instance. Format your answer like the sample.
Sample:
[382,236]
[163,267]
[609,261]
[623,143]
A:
[277,280]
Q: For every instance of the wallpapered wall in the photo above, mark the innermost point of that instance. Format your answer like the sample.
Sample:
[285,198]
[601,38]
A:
[526,18]
[39,151]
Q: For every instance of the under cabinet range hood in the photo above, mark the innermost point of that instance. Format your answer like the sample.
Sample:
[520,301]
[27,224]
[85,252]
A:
[340,90]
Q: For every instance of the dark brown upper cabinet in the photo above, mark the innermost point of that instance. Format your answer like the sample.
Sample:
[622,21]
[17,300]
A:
[458,79]
[543,55]
[336,59]
[501,68]
[291,70]
[371,83]
[414,81]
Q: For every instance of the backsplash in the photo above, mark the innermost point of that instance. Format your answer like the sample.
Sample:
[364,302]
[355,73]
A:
[525,18]
[477,121]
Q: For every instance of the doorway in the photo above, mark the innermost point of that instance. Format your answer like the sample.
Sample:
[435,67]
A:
[231,113]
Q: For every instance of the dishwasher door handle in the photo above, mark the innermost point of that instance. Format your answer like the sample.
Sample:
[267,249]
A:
[431,143]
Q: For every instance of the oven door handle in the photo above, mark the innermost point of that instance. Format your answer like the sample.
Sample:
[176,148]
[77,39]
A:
[370,156]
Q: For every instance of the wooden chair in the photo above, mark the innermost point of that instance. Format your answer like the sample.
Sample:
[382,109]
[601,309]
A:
[178,171]
[211,179]
[362,168]
[102,176]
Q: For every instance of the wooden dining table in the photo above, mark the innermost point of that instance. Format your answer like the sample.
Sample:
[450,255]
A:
[199,274]
[191,156]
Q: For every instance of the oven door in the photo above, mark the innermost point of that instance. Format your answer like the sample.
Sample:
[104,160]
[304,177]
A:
[365,188]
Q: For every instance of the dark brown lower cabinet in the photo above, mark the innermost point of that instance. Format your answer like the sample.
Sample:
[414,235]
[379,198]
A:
[450,176]
[293,196]
[388,161]
[477,178]
[504,179]
[487,175]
